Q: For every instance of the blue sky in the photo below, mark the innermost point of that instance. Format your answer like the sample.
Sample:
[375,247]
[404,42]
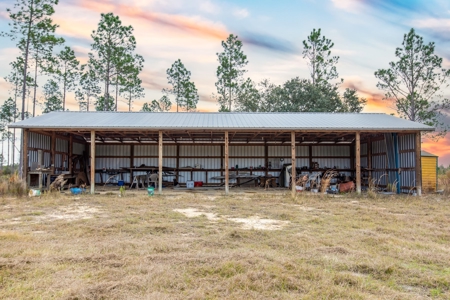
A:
[365,33]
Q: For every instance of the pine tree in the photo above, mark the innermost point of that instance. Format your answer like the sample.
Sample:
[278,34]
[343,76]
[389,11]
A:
[53,97]
[230,72]
[414,81]
[66,71]
[88,88]
[185,92]
[28,19]
[112,57]
[317,50]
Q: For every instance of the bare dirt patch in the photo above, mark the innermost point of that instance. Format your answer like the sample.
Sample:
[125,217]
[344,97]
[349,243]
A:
[255,222]
[70,212]
[195,213]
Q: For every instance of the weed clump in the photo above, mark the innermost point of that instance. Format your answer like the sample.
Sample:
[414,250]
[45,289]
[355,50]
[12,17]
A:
[12,185]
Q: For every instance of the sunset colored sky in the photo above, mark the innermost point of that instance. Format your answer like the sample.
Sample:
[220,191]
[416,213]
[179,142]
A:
[365,33]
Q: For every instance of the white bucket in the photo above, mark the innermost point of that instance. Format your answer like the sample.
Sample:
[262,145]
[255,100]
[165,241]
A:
[190,184]
[299,188]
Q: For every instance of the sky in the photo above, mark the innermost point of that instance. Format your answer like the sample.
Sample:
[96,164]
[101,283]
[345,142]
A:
[365,34]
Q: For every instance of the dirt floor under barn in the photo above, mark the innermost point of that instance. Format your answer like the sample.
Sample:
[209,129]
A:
[205,245]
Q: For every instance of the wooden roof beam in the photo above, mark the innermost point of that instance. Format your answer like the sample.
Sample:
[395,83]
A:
[190,136]
[170,137]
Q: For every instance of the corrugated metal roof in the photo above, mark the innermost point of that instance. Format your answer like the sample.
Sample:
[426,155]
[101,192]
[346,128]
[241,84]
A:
[427,154]
[223,121]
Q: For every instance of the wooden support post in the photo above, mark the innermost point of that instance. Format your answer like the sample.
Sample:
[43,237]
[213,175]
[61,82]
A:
[177,173]
[52,154]
[310,156]
[418,148]
[358,162]
[266,158]
[92,162]
[160,162]
[222,155]
[25,154]
[293,170]
[69,159]
[369,159]
[131,156]
[227,169]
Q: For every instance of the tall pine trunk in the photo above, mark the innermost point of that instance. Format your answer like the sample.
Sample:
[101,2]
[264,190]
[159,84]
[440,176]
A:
[117,90]
[64,86]
[129,103]
[24,84]
[35,83]
[8,146]
[13,150]
[108,71]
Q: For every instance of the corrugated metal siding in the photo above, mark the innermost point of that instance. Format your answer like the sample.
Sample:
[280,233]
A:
[111,163]
[170,162]
[285,151]
[40,141]
[246,151]
[407,160]
[337,163]
[206,163]
[331,151]
[364,163]
[58,161]
[302,150]
[153,162]
[408,179]
[62,145]
[379,162]
[47,159]
[145,161]
[406,142]
[112,150]
[246,162]
[32,157]
[378,147]
[200,150]
[302,162]
[146,150]
[429,176]
[364,149]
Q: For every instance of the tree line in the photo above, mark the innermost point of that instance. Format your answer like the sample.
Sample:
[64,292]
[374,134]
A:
[414,82]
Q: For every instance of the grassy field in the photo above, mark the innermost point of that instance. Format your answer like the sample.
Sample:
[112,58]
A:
[207,246]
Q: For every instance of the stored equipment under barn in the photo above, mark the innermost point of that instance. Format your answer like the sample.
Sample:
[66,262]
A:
[214,148]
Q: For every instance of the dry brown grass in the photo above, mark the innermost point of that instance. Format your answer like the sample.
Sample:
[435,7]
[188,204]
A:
[444,183]
[12,185]
[136,247]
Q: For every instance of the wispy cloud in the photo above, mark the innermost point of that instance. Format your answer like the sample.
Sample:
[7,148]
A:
[192,25]
[209,7]
[375,102]
[241,13]
[348,5]
[269,42]
[437,27]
